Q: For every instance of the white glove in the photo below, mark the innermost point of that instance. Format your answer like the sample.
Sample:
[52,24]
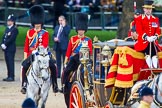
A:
[65,65]
[3,46]
[154,37]
[149,39]
[34,51]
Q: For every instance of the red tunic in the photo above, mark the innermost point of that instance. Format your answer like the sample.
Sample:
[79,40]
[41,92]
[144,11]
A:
[145,26]
[74,42]
[34,39]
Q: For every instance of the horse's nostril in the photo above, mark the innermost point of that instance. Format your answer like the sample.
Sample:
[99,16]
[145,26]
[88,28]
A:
[44,79]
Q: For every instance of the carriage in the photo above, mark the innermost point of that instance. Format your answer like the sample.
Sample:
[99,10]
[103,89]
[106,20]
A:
[99,85]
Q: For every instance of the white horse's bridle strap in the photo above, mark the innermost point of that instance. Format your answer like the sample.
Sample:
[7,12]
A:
[157,89]
[40,85]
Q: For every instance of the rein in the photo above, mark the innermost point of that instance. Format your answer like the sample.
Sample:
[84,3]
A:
[33,73]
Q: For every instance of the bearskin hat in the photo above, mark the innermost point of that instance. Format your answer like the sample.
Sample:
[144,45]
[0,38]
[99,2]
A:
[81,21]
[37,15]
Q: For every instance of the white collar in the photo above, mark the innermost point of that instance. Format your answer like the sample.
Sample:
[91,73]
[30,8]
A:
[10,26]
[148,16]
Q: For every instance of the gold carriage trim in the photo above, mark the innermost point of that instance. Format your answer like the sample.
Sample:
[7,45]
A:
[123,84]
[109,82]
[124,71]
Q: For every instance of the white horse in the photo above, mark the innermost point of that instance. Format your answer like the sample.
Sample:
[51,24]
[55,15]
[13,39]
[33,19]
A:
[156,85]
[39,80]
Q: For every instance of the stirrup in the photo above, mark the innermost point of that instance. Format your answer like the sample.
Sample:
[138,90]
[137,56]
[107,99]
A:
[23,90]
[24,87]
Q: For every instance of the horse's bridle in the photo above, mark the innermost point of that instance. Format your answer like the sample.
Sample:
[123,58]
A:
[34,74]
[157,89]
[38,75]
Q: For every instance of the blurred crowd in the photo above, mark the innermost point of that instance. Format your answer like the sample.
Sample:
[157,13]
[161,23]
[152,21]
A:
[72,5]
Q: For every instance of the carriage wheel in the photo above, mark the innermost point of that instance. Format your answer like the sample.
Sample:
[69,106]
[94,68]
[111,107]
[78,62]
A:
[109,105]
[76,96]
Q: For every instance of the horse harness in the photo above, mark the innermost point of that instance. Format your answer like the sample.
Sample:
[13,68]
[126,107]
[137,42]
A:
[34,74]
[156,101]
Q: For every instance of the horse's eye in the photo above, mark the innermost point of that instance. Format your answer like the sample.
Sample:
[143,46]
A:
[39,61]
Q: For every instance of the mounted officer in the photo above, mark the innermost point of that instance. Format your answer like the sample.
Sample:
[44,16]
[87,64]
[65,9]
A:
[36,37]
[9,47]
[72,53]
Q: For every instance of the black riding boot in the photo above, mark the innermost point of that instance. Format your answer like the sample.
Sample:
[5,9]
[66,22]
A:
[26,64]
[54,79]
[53,76]
[24,81]
[71,67]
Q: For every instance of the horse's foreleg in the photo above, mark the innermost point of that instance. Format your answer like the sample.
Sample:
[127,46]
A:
[32,93]
[44,99]
[37,100]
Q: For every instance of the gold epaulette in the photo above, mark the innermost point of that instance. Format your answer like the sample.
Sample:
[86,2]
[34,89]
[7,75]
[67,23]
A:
[35,34]
[143,16]
[153,17]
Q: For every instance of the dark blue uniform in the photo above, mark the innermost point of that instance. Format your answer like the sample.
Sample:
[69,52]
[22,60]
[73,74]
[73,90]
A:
[9,39]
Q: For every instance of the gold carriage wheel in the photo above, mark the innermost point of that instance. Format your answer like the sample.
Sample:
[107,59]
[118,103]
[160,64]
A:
[76,96]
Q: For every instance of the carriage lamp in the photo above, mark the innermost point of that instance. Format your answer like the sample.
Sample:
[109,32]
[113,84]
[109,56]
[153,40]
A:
[106,56]
[84,58]
[95,39]
[84,52]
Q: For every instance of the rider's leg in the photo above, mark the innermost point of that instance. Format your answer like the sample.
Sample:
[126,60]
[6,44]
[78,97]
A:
[24,80]
[25,66]
[71,67]
[53,75]
[148,61]
[155,61]
[154,57]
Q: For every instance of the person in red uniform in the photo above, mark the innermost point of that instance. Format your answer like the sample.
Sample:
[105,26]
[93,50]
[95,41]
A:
[132,34]
[148,29]
[72,53]
[36,37]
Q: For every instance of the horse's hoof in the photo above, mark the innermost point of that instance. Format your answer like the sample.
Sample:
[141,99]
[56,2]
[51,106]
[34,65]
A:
[61,90]
[56,90]
[23,90]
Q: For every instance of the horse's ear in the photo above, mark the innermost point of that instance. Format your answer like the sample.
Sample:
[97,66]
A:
[48,49]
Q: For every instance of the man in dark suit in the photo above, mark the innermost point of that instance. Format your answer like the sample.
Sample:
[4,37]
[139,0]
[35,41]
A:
[9,46]
[60,38]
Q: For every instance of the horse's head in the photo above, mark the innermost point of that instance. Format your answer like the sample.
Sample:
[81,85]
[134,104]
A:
[41,59]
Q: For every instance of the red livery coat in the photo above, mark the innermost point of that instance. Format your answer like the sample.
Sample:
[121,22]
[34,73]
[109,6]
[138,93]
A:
[145,26]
